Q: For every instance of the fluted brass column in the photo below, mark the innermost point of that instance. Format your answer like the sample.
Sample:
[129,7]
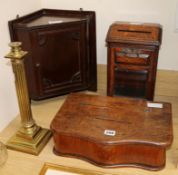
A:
[30,138]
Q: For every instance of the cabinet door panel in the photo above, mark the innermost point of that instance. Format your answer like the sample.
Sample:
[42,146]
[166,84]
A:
[61,57]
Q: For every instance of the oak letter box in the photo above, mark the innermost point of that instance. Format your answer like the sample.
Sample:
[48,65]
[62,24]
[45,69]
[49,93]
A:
[132,58]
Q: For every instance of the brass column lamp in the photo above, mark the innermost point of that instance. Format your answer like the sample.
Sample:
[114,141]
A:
[30,138]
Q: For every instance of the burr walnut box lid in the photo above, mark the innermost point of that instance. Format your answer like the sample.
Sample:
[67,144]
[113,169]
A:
[111,131]
[136,33]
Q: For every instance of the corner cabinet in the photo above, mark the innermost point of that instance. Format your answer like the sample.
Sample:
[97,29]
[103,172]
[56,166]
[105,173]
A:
[62,51]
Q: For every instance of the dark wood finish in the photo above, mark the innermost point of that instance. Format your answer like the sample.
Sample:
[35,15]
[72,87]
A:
[142,133]
[132,59]
[62,54]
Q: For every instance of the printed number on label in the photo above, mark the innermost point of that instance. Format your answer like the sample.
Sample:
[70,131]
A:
[109,132]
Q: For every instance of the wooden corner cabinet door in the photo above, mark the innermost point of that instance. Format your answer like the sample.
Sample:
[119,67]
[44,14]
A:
[62,51]
[60,65]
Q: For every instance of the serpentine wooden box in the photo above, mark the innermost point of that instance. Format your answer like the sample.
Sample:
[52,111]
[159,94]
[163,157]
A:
[113,131]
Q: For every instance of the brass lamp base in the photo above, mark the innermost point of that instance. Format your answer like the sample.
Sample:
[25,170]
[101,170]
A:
[31,144]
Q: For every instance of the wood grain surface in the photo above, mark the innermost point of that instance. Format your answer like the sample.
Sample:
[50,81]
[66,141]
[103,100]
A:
[141,137]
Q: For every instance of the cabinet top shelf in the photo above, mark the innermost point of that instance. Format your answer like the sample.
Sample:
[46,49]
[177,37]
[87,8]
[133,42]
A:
[46,20]
[50,17]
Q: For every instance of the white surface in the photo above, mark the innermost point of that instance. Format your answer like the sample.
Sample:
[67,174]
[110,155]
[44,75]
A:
[56,172]
[176,21]
[109,132]
[8,101]
[55,22]
[154,105]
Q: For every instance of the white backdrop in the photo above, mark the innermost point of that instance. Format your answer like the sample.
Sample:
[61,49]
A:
[8,101]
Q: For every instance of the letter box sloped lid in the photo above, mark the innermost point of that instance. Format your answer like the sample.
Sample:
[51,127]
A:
[135,33]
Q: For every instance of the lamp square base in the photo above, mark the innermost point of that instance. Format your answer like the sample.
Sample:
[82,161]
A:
[33,146]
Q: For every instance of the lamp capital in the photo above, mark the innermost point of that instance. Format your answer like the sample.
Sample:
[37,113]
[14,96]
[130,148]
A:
[16,52]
